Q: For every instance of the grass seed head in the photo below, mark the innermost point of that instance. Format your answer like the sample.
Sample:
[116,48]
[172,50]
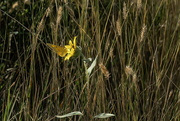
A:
[124,11]
[129,71]
[104,71]
[111,52]
[118,25]
[135,81]
[135,78]
[59,15]
[27,2]
[143,33]
[41,25]
[139,4]
[15,5]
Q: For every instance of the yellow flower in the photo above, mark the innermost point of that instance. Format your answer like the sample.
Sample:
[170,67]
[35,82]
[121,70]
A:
[67,51]
[70,49]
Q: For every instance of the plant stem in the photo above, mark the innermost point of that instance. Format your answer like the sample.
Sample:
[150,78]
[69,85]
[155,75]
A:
[88,91]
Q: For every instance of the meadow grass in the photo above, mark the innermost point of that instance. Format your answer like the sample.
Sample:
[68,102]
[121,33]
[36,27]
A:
[138,66]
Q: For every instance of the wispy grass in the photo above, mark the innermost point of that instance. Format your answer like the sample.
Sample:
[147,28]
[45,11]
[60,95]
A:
[138,66]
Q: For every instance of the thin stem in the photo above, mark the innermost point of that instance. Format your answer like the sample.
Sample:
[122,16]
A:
[88,91]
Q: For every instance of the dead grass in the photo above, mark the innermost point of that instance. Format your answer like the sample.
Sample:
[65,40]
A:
[137,44]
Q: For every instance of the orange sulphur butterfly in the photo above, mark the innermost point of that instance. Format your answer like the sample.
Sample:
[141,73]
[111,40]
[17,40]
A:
[61,51]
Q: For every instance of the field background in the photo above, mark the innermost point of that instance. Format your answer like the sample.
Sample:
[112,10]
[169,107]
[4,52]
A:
[137,75]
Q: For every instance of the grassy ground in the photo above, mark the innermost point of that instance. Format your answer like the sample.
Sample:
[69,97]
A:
[138,66]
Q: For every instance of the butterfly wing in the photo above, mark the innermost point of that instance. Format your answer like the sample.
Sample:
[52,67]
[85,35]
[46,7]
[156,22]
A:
[61,51]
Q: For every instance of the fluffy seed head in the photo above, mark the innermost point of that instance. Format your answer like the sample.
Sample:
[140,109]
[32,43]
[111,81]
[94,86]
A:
[129,71]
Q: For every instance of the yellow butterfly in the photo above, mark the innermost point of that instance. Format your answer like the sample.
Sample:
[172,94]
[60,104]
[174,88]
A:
[61,51]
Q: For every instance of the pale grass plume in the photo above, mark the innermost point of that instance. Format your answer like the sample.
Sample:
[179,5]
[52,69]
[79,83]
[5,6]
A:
[143,33]
[65,1]
[57,22]
[129,71]
[107,45]
[118,25]
[139,4]
[111,52]
[158,79]
[124,11]
[104,71]
[59,15]
[170,94]
[131,3]
[15,5]
[27,2]
[41,25]
[135,80]
[48,11]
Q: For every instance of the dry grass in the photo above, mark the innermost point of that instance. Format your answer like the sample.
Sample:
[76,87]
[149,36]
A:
[137,72]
